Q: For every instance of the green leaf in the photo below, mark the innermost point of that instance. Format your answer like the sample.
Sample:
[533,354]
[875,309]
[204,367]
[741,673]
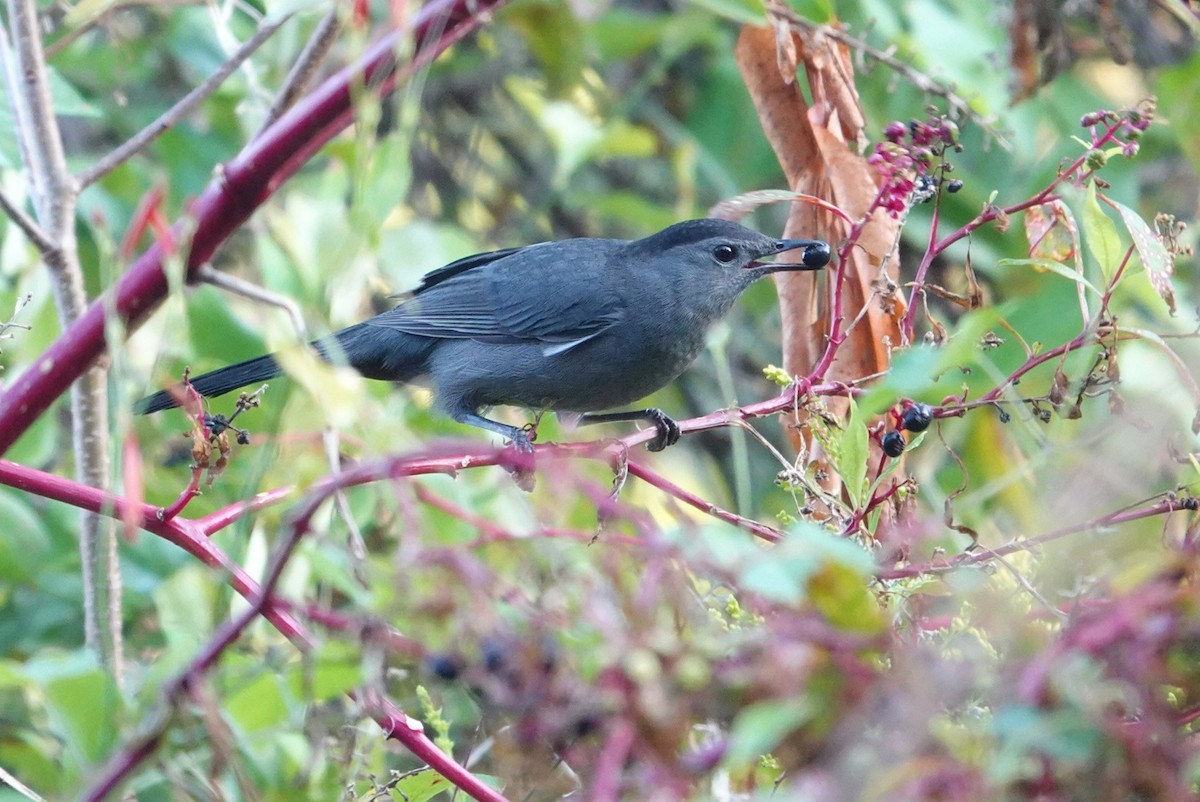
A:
[333,669]
[1023,732]
[383,180]
[258,705]
[1058,268]
[839,592]
[851,460]
[622,138]
[68,102]
[574,133]
[24,542]
[421,786]
[1157,260]
[546,26]
[84,707]
[815,10]
[746,12]
[185,609]
[760,727]
[86,11]
[1100,233]
[629,207]
[790,572]
[40,444]
[622,34]
[779,578]
[215,331]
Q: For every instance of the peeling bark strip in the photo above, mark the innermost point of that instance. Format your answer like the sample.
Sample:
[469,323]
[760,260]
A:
[242,186]
[813,148]
[838,328]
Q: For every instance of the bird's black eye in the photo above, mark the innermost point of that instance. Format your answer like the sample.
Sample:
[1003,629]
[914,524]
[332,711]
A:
[724,254]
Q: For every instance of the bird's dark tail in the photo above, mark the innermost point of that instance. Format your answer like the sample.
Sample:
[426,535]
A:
[212,384]
[374,351]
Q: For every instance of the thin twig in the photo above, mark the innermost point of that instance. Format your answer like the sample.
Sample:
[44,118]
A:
[226,516]
[610,763]
[354,536]
[37,127]
[33,232]
[768,533]
[173,115]
[253,292]
[1164,506]
[1027,586]
[302,72]
[22,789]
[990,213]
[191,536]
[927,84]
[11,323]
[64,41]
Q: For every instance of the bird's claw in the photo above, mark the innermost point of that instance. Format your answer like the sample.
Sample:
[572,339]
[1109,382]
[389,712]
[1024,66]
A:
[668,431]
[522,442]
[521,463]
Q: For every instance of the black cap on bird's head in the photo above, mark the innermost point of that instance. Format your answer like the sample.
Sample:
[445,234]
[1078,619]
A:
[729,244]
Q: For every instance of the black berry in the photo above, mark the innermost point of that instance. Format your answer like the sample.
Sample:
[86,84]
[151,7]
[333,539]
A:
[916,418]
[443,666]
[495,654]
[893,444]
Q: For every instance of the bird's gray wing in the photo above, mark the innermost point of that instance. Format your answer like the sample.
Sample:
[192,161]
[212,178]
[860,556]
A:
[546,294]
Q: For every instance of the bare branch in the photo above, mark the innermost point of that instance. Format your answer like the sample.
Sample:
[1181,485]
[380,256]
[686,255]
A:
[301,74]
[254,292]
[655,479]
[55,192]
[173,115]
[37,127]
[33,232]
[242,186]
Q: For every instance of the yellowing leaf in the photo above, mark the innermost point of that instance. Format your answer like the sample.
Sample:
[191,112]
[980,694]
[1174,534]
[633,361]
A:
[1052,232]
[838,591]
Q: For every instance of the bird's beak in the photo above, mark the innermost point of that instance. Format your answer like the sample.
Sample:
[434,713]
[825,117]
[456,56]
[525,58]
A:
[816,255]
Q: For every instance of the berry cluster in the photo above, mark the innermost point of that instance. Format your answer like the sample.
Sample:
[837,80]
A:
[907,160]
[915,418]
[1125,127]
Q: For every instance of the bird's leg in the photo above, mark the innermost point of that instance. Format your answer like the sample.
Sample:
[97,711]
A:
[668,429]
[519,438]
[530,429]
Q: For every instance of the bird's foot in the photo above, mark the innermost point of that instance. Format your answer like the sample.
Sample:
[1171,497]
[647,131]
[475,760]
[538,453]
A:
[521,464]
[524,438]
[667,430]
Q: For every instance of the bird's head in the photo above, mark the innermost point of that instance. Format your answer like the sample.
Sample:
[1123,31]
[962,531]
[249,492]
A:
[712,247]
[704,265]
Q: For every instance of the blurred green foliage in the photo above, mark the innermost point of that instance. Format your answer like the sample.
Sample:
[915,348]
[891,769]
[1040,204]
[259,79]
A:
[569,119]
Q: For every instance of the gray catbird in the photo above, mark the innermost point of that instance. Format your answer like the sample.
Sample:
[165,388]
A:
[573,326]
